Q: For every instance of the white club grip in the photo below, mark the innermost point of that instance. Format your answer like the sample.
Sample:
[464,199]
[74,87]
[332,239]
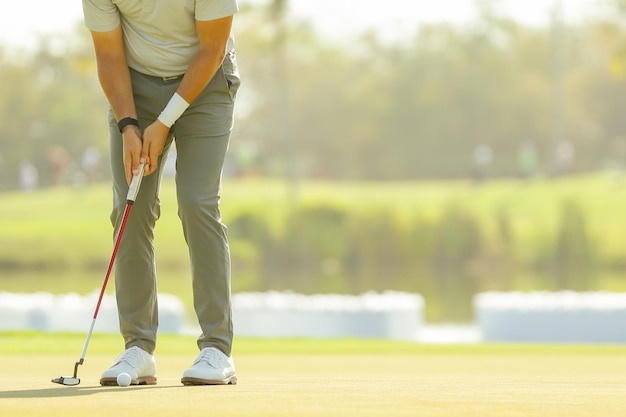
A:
[133,189]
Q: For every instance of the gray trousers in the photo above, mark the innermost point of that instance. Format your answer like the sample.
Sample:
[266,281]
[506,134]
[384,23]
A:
[201,135]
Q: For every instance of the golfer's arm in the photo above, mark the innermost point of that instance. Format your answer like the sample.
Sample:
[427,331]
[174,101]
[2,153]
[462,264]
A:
[113,72]
[213,36]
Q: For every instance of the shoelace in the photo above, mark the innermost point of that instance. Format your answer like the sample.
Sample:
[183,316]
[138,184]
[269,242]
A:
[210,356]
[130,356]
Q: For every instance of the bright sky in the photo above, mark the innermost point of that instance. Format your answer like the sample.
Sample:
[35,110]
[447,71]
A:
[23,21]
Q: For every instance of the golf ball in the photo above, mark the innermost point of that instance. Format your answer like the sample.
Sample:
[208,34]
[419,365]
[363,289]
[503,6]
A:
[123,379]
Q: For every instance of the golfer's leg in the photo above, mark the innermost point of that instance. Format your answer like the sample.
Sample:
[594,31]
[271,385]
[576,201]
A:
[135,272]
[198,178]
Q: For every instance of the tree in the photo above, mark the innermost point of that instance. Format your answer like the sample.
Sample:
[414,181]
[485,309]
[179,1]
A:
[51,110]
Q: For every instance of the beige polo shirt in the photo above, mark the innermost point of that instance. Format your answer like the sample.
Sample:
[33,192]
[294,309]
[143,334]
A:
[159,35]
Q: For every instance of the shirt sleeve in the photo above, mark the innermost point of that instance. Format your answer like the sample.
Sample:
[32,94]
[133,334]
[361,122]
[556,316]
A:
[101,15]
[215,9]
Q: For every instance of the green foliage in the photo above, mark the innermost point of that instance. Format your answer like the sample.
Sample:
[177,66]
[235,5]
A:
[314,108]
[51,111]
[446,240]
[574,250]
[457,239]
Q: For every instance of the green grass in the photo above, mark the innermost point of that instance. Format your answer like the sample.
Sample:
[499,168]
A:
[59,240]
[68,226]
[322,378]
[28,343]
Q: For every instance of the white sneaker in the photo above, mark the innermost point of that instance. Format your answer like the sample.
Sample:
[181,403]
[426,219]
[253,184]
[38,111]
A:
[211,367]
[139,364]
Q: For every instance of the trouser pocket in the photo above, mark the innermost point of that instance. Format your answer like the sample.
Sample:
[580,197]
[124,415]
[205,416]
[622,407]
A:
[231,73]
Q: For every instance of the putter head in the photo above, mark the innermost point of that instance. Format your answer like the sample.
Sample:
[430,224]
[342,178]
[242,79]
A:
[66,380]
[70,380]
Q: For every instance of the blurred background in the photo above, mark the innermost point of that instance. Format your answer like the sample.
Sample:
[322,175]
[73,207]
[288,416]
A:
[443,148]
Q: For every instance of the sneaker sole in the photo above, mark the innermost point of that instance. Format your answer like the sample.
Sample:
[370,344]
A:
[144,380]
[198,381]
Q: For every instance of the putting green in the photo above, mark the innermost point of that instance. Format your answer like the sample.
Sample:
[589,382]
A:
[378,379]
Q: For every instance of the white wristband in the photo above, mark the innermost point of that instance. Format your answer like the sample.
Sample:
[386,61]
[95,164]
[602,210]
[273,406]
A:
[174,109]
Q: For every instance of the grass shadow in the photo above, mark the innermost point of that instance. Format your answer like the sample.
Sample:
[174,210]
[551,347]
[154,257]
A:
[75,391]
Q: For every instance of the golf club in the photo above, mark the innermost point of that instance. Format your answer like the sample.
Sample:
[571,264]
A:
[133,189]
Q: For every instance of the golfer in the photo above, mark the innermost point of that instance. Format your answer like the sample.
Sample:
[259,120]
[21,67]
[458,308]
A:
[168,70]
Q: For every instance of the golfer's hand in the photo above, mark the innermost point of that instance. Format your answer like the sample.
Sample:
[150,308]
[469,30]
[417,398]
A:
[132,151]
[154,138]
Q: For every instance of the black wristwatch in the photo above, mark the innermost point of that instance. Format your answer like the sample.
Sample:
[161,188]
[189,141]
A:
[127,121]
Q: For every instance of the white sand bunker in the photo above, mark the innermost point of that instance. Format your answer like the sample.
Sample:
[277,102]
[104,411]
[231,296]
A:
[388,315]
[566,316]
[73,313]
